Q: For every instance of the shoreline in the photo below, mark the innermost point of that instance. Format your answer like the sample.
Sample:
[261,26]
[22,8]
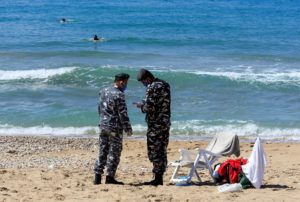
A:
[172,138]
[56,168]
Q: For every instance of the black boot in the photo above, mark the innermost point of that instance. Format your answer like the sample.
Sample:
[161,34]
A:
[158,180]
[97,179]
[111,180]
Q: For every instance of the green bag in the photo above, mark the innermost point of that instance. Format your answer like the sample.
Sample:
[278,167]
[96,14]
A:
[245,182]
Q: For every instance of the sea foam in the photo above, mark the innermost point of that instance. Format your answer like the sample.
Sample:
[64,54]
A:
[34,74]
[288,77]
[179,130]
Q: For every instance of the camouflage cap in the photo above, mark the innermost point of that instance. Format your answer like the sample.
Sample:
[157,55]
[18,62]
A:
[121,77]
[143,74]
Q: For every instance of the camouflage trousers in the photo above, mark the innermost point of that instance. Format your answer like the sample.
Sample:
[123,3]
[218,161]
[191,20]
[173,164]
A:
[110,148]
[157,143]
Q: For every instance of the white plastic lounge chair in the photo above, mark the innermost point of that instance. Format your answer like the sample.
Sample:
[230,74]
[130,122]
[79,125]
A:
[220,145]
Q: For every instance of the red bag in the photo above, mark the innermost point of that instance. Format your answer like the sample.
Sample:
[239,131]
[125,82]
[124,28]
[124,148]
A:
[231,169]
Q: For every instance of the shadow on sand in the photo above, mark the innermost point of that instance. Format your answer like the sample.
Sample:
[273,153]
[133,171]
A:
[275,186]
[207,183]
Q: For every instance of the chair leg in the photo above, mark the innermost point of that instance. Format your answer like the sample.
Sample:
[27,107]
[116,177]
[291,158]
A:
[197,175]
[193,169]
[209,167]
[175,172]
[210,171]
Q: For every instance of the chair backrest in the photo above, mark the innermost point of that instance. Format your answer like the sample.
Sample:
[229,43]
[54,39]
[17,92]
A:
[225,145]
[188,155]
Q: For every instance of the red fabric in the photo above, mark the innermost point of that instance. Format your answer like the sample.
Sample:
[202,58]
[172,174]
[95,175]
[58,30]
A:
[231,169]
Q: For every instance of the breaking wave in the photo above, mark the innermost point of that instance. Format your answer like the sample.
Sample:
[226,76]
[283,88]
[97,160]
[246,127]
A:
[92,76]
[179,130]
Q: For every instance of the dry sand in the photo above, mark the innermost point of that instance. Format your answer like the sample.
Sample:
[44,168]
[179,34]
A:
[60,169]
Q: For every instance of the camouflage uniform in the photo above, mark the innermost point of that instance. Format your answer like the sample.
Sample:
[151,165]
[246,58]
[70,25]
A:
[114,119]
[158,114]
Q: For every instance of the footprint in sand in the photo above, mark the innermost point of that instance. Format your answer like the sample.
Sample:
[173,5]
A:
[149,196]
[3,189]
[59,197]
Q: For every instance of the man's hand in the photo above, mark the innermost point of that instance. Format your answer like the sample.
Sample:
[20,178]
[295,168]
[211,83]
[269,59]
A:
[138,104]
[129,134]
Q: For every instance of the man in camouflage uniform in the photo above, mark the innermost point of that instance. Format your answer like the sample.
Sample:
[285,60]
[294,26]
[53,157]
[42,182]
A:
[158,113]
[113,120]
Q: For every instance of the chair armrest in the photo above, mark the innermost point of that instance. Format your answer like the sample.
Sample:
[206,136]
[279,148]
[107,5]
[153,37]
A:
[209,152]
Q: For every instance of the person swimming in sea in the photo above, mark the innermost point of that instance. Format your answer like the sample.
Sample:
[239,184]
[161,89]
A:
[63,20]
[96,38]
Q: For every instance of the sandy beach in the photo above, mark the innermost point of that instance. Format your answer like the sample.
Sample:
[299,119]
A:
[60,169]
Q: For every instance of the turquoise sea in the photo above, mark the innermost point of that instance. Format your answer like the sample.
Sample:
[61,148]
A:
[233,65]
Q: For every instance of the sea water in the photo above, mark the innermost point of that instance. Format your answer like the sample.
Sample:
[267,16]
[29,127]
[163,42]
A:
[233,66]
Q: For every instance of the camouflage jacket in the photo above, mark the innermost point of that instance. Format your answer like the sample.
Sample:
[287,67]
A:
[112,110]
[157,104]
